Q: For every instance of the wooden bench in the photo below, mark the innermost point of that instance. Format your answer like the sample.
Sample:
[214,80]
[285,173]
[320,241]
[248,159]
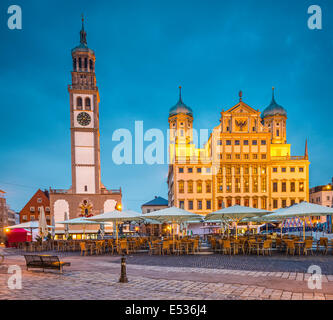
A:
[45,262]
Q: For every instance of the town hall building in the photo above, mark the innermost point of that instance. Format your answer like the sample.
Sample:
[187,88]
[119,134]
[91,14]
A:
[246,161]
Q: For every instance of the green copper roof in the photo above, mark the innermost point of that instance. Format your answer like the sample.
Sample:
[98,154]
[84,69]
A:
[274,109]
[180,107]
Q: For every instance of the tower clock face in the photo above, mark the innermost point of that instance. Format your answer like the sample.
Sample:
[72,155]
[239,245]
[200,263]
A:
[83,119]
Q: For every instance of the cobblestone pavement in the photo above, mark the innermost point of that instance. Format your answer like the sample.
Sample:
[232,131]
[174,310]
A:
[96,277]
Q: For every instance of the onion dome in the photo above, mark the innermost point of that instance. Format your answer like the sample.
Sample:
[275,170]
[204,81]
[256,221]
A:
[274,109]
[180,107]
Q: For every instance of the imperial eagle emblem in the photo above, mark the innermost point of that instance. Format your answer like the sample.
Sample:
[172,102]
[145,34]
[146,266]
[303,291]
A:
[241,124]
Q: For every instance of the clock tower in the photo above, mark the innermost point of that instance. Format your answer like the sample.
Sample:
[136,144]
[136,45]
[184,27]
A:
[87,196]
[84,110]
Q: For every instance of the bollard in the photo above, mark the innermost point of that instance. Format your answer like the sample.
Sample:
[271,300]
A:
[123,277]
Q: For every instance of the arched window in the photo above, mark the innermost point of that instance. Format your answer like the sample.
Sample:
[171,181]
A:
[85,63]
[79,103]
[74,64]
[91,65]
[88,104]
[80,63]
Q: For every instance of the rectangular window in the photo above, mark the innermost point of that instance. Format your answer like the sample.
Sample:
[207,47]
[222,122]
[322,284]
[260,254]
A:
[246,156]
[301,187]
[190,205]
[254,184]
[228,142]
[254,142]
[199,187]
[301,169]
[219,142]
[190,186]
[275,204]
[283,169]
[181,170]
[284,203]
[292,169]
[208,187]
[229,184]
[198,170]
[246,142]
[263,203]
[199,205]
[208,170]
[238,156]
[190,170]
[181,204]
[181,186]
[229,156]
[263,142]
[237,142]
[255,156]
[237,185]
[292,202]
[32,218]
[219,184]
[39,200]
[208,204]
[284,187]
[275,187]
[32,209]
[292,187]
[263,157]
[246,185]
[263,184]
[274,169]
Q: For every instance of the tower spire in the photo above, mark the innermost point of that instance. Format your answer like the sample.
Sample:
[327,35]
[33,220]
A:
[306,154]
[83,34]
[180,93]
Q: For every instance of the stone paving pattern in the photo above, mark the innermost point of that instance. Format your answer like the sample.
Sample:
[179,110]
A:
[96,277]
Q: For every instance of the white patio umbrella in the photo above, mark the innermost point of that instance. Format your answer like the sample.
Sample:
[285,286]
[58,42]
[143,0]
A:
[173,215]
[66,226]
[303,210]
[31,225]
[236,214]
[118,216]
[43,231]
[80,221]
[53,227]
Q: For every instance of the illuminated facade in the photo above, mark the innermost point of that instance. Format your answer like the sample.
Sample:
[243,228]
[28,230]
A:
[246,161]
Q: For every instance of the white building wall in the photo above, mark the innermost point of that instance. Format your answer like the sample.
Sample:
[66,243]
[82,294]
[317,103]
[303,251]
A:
[85,176]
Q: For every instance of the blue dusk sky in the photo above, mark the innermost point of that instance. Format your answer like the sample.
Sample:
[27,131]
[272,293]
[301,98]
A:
[144,51]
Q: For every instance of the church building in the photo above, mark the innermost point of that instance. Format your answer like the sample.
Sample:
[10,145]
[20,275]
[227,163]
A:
[246,161]
[87,196]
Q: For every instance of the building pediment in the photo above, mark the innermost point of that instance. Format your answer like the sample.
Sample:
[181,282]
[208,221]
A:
[241,108]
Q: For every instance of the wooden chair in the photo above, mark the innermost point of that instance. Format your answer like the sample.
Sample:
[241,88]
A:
[177,248]
[153,248]
[83,248]
[267,247]
[226,247]
[308,247]
[290,247]
[323,243]
[99,247]
[123,247]
[165,247]
[251,246]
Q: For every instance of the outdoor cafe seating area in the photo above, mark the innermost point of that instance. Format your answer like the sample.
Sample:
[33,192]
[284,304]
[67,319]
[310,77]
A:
[177,243]
[268,244]
[129,245]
